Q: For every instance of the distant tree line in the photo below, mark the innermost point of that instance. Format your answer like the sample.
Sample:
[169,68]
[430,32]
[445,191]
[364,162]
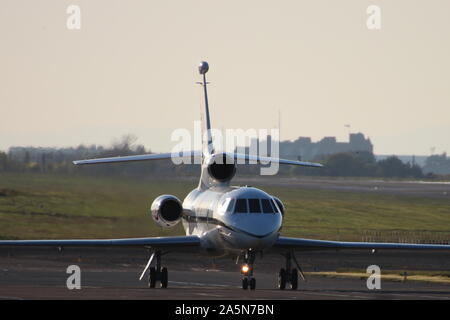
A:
[363,164]
[59,160]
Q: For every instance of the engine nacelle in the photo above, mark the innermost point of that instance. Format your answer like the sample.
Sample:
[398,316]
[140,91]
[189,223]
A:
[167,210]
[221,167]
[279,204]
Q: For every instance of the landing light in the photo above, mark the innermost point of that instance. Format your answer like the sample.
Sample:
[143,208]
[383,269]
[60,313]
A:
[245,269]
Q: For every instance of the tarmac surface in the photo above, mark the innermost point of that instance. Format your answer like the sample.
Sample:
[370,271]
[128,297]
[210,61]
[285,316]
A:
[40,273]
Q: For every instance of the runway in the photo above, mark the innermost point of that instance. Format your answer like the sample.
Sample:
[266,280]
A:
[107,274]
[425,189]
[200,285]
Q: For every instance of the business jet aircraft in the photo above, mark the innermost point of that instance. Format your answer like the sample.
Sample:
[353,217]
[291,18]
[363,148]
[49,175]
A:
[220,219]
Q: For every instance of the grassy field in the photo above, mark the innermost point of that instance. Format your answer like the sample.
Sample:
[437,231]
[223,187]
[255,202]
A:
[391,275]
[49,206]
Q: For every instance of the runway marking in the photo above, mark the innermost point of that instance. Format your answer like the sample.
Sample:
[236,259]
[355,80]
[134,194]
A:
[423,296]
[10,298]
[208,294]
[335,295]
[436,297]
[199,284]
[207,270]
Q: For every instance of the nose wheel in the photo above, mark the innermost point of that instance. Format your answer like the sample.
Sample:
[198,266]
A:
[248,281]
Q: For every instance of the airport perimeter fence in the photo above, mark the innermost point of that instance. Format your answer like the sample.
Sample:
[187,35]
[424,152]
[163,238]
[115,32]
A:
[369,235]
[419,237]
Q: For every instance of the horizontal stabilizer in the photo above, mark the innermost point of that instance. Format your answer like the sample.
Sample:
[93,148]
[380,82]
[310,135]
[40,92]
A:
[267,160]
[142,157]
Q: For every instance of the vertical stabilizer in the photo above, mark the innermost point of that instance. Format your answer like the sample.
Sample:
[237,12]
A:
[207,143]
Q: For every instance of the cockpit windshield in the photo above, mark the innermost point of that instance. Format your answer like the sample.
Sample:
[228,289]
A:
[266,206]
[226,205]
[254,206]
[241,206]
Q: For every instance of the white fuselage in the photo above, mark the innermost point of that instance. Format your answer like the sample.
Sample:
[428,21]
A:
[211,214]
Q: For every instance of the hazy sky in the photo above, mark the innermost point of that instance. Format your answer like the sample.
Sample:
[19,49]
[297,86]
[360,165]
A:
[132,68]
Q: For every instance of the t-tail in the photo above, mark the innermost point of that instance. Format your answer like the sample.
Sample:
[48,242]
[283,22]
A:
[207,142]
[218,168]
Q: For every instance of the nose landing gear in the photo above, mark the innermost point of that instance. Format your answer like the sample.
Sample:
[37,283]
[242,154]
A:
[247,270]
[289,275]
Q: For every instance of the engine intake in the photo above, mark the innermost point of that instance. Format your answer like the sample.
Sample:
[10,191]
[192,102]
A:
[167,210]
[221,167]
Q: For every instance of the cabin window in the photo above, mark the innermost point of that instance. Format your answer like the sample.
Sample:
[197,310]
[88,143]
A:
[254,205]
[241,206]
[266,206]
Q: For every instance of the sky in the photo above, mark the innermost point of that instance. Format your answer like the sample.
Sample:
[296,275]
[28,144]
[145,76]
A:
[132,66]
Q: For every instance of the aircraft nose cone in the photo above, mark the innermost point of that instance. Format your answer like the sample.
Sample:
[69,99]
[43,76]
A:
[255,231]
[257,225]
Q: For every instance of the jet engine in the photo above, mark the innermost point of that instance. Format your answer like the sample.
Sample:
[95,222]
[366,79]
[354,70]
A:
[221,167]
[167,210]
[279,204]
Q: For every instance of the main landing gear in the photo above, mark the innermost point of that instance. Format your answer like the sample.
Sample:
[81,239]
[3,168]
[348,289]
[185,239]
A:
[248,281]
[156,274]
[288,275]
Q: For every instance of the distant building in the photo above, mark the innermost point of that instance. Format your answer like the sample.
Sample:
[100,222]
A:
[303,148]
[437,164]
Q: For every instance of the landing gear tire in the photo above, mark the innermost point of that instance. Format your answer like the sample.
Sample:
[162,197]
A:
[252,284]
[282,279]
[247,270]
[294,279]
[164,277]
[245,283]
[152,278]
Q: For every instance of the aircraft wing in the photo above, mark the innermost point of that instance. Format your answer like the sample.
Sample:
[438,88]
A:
[178,243]
[285,243]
